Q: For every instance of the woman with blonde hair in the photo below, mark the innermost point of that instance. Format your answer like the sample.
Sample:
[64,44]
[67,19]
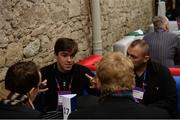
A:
[116,80]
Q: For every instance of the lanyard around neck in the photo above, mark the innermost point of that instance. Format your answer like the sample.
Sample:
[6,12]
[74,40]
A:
[64,85]
[63,82]
[143,78]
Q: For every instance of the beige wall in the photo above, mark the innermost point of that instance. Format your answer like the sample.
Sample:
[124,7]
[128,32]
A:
[122,16]
[29,28]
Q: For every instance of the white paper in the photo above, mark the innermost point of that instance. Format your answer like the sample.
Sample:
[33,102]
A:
[67,104]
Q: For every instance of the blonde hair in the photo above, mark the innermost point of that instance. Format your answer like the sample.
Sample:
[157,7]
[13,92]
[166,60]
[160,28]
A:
[115,72]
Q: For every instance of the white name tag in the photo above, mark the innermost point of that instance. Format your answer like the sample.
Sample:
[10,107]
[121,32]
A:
[60,93]
[138,93]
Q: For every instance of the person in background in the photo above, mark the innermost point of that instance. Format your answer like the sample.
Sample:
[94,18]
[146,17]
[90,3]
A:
[176,9]
[63,77]
[155,85]
[115,78]
[164,45]
[22,82]
[170,6]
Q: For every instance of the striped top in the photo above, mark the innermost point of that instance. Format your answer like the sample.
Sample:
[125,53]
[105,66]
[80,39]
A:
[164,47]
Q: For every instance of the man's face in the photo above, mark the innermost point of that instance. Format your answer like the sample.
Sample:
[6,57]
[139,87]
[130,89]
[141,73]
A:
[136,54]
[65,61]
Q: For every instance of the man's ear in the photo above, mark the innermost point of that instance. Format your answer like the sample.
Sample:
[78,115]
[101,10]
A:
[167,27]
[146,58]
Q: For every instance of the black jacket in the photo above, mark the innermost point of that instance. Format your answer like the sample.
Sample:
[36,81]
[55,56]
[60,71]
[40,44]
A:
[118,107]
[80,85]
[18,111]
[160,88]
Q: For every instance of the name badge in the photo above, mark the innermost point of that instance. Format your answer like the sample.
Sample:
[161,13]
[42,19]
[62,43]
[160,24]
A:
[138,93]
[60,93]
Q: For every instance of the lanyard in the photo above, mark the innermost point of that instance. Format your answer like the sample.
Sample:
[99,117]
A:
[144,79]
[64,85]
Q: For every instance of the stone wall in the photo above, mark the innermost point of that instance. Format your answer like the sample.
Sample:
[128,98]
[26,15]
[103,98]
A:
[29,28]
[122,16]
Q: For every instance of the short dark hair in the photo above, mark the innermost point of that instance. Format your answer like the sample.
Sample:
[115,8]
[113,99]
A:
[22,77]
[65,44]
[142,43]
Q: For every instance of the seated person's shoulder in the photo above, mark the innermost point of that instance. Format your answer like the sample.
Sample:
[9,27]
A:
[157,66]
[158,112]
[151,112]
[81,68]
[18,111]
[48,67]
[87,101]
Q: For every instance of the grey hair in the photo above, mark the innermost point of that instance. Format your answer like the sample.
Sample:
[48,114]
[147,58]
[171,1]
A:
[159,22]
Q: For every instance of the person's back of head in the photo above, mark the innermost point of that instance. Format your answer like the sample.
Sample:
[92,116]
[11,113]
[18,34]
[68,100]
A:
[65,44]
[115,73]
[161,22]
[22,77]
[22,80]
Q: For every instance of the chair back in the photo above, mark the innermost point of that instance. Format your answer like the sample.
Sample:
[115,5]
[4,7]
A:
[90,61]
[177,79]
[175,71]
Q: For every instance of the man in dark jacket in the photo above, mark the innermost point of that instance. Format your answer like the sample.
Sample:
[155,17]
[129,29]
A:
[154,84]
[63,77]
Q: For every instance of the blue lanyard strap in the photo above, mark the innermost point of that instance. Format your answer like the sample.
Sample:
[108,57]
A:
[144,78]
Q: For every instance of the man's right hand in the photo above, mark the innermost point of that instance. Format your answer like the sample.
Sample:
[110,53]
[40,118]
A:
[95,83]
